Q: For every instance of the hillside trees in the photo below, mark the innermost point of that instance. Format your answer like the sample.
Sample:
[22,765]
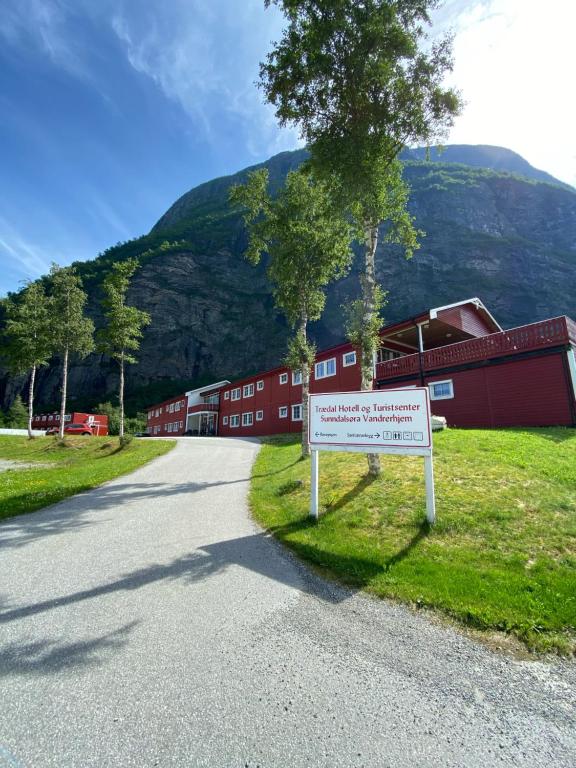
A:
[71,332]
[120,337]
[361,81]
[308,246]
[28,339]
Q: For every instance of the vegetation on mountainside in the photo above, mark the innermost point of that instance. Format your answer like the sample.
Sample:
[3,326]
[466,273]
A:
[61,468]
[501,555]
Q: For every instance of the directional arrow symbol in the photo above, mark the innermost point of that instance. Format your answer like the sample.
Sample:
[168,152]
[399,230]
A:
[377,435]
[316,434]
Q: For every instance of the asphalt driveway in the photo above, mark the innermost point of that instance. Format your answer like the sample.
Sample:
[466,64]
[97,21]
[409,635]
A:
[149,622]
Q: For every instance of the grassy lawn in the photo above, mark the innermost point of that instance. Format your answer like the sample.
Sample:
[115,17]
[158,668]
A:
[501,556]
[64,470]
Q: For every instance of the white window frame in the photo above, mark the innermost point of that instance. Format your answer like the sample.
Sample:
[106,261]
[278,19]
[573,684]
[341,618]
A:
[227,395]
[177,406]
[347,354]
[235,420]
[283,378]
[236,394]
[259,415]
[296,378]
[260,385]
[393,354]
[324,363]
[295,418]
[433,384]
[248,390]
[224,421]
[283,412]
[247,419]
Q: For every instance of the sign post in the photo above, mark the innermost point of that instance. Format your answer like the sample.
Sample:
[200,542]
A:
[392,421]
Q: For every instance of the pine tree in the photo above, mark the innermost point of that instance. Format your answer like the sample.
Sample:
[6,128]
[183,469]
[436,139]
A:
[17,415]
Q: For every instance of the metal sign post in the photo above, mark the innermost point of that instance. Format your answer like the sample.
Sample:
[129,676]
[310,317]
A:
[392,421]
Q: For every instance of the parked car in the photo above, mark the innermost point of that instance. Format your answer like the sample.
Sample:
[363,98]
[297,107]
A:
[72,429]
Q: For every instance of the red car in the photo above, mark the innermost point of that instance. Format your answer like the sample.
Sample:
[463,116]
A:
[72,429]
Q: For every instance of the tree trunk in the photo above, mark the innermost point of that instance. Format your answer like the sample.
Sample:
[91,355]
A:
[64,391]
[121,396]
[31,401]
[305,388]
[368,284]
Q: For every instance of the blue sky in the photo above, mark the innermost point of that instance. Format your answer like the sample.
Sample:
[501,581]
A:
[111,109]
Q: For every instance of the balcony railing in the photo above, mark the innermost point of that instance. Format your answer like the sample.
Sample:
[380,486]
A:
[547,333]
[203,408]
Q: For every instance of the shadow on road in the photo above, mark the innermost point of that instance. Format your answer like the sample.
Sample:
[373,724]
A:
[53,656]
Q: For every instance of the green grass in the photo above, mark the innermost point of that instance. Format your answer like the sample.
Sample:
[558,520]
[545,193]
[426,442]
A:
[63,470]
[501,556]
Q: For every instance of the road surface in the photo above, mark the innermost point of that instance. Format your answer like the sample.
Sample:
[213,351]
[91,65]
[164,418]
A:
[149,622]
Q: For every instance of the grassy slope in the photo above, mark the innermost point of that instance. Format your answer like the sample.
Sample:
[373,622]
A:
[501,556]
[85,463]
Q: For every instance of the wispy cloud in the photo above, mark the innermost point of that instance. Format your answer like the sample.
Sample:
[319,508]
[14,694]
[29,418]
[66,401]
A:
[205,55]
[23,256]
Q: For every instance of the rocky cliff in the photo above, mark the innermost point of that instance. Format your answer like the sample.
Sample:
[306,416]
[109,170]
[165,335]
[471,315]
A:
[509,239]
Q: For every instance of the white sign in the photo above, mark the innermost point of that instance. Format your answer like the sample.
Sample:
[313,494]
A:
[378,421]
[375,420]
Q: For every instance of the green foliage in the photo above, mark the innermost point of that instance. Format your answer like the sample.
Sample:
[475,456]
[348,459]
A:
[70,330]
[132,424]
[501,555]
[305,236]
[27,330]
[17,415]
[124,323]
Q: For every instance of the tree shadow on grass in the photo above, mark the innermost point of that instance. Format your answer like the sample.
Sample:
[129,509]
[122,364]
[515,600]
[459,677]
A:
[361,485]
[422,532]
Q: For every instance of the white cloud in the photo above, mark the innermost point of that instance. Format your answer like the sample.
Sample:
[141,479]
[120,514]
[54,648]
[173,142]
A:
[205,55]
[514,63]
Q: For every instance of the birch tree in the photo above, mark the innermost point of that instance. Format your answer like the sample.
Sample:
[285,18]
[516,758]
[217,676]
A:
[121,336]
[308,246]
[71,332]
[28,344]
[361,81]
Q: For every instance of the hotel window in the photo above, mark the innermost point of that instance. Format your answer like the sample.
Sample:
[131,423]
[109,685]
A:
[160,411]
[297,413]
[259,415]
[283,412]
[283,378]
[348,358]
[181,425]
[296,377]
[260,385]
[385,354]
[227,395]
[157,412]
[171,408]
[235,420]
[248,390]
[224,421]
[441,390]
[236,394]
[57,417]
[177,406]
[247,419]
[325,368]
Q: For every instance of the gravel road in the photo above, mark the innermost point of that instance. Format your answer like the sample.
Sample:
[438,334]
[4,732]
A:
[149,622]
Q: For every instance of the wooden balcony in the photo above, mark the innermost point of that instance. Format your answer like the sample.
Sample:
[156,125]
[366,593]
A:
[204,408]
[556,332]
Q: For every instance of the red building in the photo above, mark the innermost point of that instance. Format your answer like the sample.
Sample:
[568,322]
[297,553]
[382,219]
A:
[97,421]
[478,374]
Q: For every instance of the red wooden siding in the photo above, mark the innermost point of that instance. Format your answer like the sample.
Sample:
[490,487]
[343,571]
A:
[159,417]
[531,392]
[466,318]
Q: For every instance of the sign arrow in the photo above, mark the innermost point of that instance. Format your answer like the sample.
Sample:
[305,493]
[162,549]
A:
[377,435]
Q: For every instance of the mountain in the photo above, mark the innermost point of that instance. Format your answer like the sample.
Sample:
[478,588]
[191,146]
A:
[495,228]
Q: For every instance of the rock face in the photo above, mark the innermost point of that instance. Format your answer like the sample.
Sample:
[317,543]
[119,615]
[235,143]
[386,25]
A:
[509,240]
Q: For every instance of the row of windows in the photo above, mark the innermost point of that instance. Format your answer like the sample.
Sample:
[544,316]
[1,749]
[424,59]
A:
[322,370]
[168,408]
[174,426]
[53,417]
[248,418]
